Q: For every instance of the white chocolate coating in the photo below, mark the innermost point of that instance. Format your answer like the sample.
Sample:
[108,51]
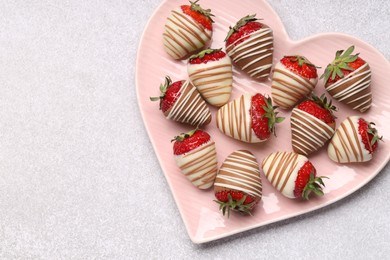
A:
[354,90]
[288,87]
[183,35]
[240,172]
[234,120]
[281,170]
[199,165]
[308,133]
[213,80]
[189,108]
[254,51]
[346,145]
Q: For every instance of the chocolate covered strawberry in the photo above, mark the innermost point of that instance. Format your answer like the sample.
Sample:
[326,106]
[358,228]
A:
[355,140]
[211,73]
[348,79]
[188,29]
[312,124]
[294,78]
[250,45]
[196,156]
[249,118]
[181,102]
[238,185]
[292,174]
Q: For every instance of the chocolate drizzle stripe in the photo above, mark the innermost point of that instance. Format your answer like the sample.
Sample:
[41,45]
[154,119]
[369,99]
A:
[201,168]
[250,50]
[183,35]
[189,108]
[354,90]
[193,24]
[308,132]
[294,162]
[240,171]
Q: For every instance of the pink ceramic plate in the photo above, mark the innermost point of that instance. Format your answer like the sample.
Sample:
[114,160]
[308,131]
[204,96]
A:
[199,212]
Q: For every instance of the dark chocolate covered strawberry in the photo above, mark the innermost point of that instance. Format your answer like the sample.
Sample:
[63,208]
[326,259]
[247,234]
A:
[250,118]
[348,79]
[181,102]
[250,45]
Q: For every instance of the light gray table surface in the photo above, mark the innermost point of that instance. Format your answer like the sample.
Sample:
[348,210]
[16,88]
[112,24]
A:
[78,176]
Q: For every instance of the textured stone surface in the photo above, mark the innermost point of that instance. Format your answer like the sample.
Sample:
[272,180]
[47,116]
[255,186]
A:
[78,175]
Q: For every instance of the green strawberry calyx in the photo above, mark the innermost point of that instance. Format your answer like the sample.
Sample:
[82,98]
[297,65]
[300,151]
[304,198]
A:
[239,206]
[315,185]
[340,63]
[270,113]
[243,21]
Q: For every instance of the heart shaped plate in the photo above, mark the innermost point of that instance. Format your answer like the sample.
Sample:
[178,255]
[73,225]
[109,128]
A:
[199,212]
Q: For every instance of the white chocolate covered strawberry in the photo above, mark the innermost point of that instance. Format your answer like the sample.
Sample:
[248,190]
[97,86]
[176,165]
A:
[312,124]
[211,73]
[188,29]
[238,185]
[355,140]
[196,156]
[251,118]
[294,78]
[292,174]
[250,44]
[181,102]
[348,79]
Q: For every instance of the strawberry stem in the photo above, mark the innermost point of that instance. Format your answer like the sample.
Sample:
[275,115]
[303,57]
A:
[243,21]
[340,62]
[315,185]
[163,90]
[238,206]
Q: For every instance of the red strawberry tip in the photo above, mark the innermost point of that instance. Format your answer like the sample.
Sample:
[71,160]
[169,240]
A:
[163,90]
[197,8]
[183,136]
[315,185]
[239,206]
[322,101]
[243,21]
[301,60]
[201,54]
[340,63]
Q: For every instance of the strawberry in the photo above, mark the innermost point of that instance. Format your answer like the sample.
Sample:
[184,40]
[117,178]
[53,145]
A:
[188,29]
[249,118]
[250,45]
[181,102]
[238,185]
[196,156]
[355,140]
[312,124]
[293,175]
[294,78]
[211,73]
[348,78]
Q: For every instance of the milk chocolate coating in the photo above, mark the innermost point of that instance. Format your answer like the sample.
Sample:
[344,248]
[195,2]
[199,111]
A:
[254,55]
[354,90]
[189,108]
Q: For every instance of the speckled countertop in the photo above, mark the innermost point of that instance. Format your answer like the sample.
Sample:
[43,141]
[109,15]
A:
[78,175]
